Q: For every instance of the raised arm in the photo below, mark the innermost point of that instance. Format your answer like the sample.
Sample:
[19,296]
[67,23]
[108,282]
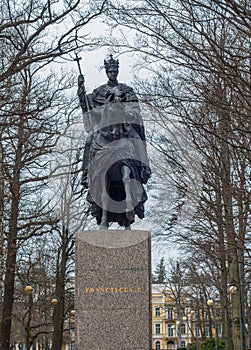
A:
[85,103]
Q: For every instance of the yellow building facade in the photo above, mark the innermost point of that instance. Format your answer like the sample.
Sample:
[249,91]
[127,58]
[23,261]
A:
[175,324]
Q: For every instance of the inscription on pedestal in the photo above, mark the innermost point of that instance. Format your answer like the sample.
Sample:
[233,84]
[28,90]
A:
[113,290]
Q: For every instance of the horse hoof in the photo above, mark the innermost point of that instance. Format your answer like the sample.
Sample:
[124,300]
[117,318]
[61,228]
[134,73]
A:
[127,227]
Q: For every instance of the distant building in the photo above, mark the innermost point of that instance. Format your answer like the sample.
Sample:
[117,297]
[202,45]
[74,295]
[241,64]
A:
[176,324]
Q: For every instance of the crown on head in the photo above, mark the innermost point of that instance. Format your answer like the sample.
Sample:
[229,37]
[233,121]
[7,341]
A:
[111,63]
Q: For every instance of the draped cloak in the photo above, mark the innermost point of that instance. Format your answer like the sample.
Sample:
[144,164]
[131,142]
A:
[116,138]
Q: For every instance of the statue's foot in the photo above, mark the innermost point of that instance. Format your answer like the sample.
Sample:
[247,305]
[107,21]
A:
[103,227]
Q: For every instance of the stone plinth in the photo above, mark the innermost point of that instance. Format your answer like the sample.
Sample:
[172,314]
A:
[113,295]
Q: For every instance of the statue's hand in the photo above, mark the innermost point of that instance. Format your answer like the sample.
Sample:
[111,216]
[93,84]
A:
[81,80]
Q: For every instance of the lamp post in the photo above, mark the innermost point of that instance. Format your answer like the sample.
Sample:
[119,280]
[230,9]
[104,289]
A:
[54,302]
[192,313]
[235,290]
[179,333]
[28,290]
[184,319]
[210,303]
[71,329]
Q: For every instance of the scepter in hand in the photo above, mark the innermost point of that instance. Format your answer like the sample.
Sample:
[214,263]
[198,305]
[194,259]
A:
[77,59]
[81,80]
[81,84]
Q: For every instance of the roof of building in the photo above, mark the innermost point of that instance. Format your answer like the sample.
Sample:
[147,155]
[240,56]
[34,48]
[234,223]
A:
[158,288]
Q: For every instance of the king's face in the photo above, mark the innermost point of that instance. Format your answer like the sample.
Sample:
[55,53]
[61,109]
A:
[112,73]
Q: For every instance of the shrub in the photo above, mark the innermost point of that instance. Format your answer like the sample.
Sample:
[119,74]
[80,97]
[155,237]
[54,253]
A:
[209,344]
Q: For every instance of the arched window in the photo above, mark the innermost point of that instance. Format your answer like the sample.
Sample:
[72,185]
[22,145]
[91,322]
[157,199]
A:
[183,344]
[157,345]
[170,345]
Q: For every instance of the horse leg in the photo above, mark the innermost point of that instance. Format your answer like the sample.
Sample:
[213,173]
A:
[104,220]
[126,171]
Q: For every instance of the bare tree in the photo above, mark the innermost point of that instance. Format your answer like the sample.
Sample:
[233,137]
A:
[197,54]
[72,211]
[32,116]
[35,122]
[42,32]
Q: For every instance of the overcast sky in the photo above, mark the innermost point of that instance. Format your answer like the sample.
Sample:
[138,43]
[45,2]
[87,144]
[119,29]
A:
[92,66]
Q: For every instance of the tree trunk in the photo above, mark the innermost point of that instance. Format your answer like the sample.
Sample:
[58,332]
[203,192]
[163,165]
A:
[9,278]
[227,196]
[224,300]
[1,218]
[58,315]
[12,245]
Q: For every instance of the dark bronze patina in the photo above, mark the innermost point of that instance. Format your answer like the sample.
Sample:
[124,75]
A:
[115,164]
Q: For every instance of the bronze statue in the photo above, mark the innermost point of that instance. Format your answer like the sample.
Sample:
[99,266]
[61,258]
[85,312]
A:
[115,164]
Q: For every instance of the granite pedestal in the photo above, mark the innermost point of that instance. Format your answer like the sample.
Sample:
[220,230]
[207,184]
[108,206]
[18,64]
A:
[113,294]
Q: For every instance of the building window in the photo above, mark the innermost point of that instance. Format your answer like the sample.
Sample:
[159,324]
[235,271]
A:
[197,330]
[207,330]
[182,312]
[197,314]
[170,330]
[157,312]
[183,328]
[218,329]
[183,344]
[157,328]
[169,314]
[157,345]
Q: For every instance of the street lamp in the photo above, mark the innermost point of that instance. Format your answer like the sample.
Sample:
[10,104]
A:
[179,333]
[71,329]
[192,313]
[28,290]
[210,303]
[235,290]
[54,301]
